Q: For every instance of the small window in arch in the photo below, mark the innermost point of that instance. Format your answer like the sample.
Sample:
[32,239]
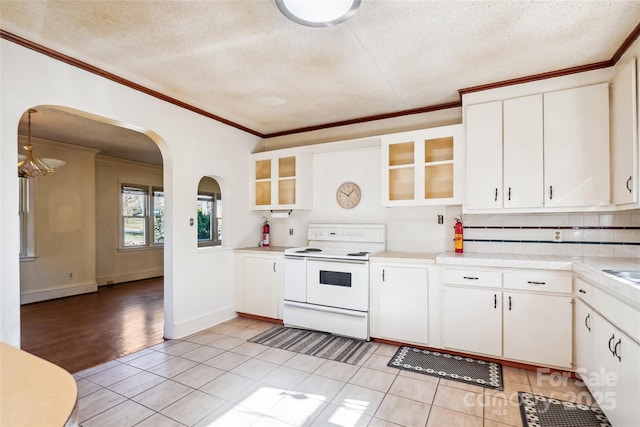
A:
[209,213]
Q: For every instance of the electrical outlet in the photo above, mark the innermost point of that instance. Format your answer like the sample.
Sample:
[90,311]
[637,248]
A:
[291,232]
[557,236]
[70,275]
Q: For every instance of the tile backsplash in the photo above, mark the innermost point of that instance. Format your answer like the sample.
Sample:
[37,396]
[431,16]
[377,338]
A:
[606,234]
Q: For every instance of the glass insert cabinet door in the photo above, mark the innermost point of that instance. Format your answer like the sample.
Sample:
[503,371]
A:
[281,180]
[421,167]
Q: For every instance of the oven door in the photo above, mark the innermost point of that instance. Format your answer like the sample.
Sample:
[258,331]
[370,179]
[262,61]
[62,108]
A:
[338,283]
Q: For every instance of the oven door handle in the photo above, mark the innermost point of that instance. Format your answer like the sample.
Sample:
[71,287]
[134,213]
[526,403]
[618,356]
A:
[295,258]
[326,309]
[343,261]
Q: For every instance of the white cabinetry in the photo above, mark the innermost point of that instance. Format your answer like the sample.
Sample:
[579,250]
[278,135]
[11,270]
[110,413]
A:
[608,358]
[624,136]
[281,179]
[529,321]
[472,320]
[576,147]
[260,281]
[540,151]
[537,328]
[484,156]
[472,311]
[400,302]
[423,167]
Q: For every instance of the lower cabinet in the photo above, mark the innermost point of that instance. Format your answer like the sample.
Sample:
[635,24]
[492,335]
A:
[537,328]
[472,320]
[522,315]
[260,283]
[609,363]
[400,302]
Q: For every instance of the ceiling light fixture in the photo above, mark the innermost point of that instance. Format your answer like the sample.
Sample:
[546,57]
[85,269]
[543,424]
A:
[29,166]
[318,13]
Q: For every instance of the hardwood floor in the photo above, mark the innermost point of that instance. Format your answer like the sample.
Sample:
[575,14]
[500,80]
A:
[82,331]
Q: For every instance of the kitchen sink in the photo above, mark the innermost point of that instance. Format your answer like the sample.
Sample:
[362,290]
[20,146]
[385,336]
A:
[632,275]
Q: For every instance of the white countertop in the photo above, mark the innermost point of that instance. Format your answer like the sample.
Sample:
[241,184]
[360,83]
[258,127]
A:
[478,259]
[591,269]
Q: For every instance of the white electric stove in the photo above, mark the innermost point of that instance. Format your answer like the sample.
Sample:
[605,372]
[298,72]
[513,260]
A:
[326,284]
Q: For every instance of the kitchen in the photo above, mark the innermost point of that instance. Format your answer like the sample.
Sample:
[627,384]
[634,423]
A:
[407,229]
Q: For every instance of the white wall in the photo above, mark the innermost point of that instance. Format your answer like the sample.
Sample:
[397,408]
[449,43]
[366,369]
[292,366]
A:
[114,265]
[63,206]
[408,228]
[198,282]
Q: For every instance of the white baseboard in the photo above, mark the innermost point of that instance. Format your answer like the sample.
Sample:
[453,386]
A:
[129,277]
[58,292]
[201,323]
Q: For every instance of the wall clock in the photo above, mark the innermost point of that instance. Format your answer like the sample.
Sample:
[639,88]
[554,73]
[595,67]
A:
[348,195]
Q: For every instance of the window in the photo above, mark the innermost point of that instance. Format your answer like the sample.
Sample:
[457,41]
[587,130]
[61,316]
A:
[138,225]
[209,219]
[209,213]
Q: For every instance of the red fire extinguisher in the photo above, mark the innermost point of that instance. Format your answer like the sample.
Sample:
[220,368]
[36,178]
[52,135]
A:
[265,233]
[458,235]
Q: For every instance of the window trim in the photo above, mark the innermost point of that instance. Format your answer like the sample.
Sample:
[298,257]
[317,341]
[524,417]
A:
[213,242]
[26,219]
[149,217]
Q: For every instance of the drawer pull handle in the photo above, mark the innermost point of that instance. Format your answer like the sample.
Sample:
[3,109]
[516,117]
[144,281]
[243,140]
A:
[536,283]
[495,197]
[615,350]
[383,274]
[274,266]
[509,302]
[582,291]
[629,184]
[495,300]
[469,278]
[610,341]
[587,322]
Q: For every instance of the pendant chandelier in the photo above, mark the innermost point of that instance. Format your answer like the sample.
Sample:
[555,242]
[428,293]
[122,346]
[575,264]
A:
[29,166]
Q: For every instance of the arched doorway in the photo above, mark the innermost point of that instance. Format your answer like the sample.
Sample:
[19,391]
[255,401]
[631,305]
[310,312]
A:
[88,239]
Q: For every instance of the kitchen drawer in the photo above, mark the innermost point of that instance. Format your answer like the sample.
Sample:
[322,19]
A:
[538,281]
[629,320]
[606,305]
[584,291]
[491,279]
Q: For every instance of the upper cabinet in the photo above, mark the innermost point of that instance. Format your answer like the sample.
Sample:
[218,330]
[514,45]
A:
[281,180]
[624,136]
[540,151]
[423,167]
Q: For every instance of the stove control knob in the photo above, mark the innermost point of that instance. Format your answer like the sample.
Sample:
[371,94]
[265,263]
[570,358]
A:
[322,233]
[361,233]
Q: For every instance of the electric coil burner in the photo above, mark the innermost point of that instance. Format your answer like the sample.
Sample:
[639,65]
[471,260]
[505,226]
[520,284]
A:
[326,284]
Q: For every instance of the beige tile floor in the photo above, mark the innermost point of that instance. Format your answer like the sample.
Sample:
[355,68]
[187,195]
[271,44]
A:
[217,378]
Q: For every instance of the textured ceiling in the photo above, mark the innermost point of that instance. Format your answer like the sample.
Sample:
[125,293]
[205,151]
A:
[244,61]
